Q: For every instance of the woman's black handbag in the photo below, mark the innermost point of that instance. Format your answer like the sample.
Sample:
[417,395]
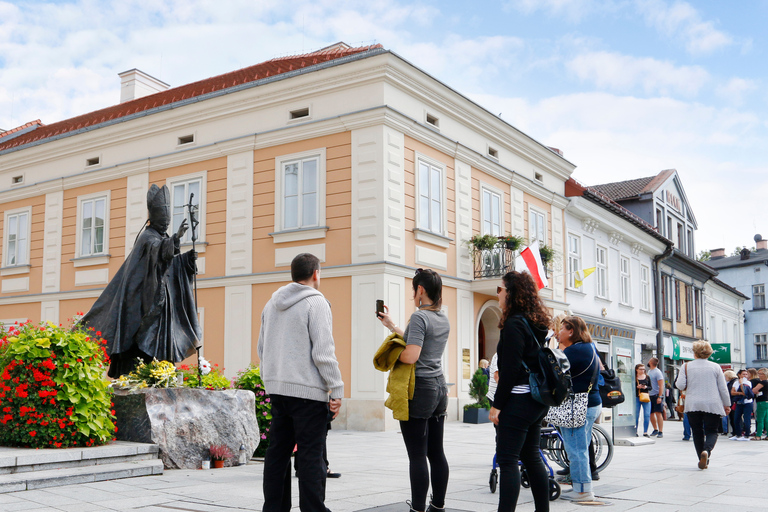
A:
[610,388]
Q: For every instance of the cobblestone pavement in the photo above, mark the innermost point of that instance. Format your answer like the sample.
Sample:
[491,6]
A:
[661,477]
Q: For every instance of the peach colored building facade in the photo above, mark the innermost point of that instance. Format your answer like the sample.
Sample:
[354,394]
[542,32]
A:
[355,155]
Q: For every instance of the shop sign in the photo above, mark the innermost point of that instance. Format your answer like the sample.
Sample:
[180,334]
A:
[605,332]
[721,354]
[681,349]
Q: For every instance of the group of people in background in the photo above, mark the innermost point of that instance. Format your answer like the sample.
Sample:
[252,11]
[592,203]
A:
[302,377]
[748,392]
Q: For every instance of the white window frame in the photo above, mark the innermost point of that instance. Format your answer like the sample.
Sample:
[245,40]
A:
[625,280]
[301,232]
[6,222]
[601,272]
[202,203]
[436,165]
[107,196]
[533,233]
[758,290]
[574,259]
[761,339]
[492,193]
[645,288]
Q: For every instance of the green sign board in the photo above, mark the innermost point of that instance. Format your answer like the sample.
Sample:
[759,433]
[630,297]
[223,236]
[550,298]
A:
[721,354]
[681,350]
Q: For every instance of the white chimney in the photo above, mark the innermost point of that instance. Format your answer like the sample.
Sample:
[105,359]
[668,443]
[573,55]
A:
[137,84]
[760,242]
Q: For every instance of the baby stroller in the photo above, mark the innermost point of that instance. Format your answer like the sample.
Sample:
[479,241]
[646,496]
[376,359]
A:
[554,487]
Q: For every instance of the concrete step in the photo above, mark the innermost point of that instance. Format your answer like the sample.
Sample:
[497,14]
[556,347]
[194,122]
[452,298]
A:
[78,475]
[23,460]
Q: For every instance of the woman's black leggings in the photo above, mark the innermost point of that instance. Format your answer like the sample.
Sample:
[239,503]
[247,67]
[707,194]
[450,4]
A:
[424,441]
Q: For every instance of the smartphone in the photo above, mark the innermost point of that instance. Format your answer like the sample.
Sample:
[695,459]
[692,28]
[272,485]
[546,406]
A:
[379,307]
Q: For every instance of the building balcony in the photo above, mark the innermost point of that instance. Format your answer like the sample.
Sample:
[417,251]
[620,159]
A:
[494,262]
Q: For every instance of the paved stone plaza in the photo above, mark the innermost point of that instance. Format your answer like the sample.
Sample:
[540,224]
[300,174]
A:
[660,477]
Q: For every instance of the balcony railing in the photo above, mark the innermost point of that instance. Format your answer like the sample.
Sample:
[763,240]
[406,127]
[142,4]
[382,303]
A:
[493,262]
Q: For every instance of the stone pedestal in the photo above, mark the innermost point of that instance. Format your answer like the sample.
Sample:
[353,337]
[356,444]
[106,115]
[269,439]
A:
[185,422]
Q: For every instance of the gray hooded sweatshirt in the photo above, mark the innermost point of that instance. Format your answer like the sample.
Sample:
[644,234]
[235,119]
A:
[296,347]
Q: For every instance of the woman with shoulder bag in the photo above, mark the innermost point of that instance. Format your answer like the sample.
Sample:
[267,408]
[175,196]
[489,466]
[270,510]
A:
[706,399]
[524,327]
[642,398]
[577,345]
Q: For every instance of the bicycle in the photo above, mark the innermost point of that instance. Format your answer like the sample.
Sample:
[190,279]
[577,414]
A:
[552,446]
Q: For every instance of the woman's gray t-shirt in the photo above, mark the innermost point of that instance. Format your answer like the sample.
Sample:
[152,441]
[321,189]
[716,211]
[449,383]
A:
[429,330]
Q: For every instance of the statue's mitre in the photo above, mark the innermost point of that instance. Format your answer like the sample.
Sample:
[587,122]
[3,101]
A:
[159,202]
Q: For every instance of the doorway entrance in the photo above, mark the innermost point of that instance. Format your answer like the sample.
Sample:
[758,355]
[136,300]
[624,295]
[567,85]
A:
[488,330]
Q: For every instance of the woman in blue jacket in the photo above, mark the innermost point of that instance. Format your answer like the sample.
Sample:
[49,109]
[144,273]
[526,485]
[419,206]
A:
[577,345]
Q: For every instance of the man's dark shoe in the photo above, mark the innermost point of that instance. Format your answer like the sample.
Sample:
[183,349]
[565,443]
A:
[654,433]
[595,475]
[661,434]
[331,474]
[564,471]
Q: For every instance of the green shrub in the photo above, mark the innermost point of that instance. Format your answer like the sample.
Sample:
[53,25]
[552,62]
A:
[52,388]
[478,388]
[250,379]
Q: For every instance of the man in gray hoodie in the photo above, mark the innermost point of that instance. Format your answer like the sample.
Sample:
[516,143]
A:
[302,378]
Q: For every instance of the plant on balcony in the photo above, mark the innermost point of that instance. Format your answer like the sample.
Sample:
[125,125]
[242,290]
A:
[547,254]
[512,242]
[481,242]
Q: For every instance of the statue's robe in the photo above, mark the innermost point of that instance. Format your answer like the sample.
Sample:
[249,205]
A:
[148,309]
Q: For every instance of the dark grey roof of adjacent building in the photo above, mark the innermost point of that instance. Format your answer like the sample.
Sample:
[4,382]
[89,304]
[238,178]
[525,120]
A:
[755,258]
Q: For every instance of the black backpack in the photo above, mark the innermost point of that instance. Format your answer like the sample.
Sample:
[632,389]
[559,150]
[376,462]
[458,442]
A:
[610,389]
[550,382]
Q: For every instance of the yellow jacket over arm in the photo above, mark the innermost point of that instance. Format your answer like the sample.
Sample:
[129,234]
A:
[402,376]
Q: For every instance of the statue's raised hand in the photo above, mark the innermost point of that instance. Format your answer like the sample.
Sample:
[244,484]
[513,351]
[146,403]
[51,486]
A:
[182,229]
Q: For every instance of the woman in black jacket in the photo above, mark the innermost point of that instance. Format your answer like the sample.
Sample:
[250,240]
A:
[515,412]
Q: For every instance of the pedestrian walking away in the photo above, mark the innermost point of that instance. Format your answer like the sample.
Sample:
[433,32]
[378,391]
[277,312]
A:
[657,398]
[524,326]
[425,339]
[301,375]
[706,400]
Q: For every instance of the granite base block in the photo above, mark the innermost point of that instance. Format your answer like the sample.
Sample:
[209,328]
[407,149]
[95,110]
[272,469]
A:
[185,422]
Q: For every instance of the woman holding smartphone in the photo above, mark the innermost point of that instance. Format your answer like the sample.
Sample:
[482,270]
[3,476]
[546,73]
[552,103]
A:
[425,336]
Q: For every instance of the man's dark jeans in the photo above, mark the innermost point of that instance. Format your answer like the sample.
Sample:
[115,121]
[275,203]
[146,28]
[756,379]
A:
[704,427]
[296,421]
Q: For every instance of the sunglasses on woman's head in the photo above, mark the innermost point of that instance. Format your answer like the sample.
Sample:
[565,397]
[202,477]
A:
[418,271]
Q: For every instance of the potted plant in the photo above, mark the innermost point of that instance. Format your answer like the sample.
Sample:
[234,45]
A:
[512,242]
[482,242]
[546,253]
[219,454]
[478,389]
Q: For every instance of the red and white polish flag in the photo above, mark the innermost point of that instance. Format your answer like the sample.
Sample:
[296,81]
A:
[530,261]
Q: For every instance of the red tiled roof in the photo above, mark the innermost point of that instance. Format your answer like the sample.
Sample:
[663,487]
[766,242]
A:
[628,189]
[19,128]
[259,71]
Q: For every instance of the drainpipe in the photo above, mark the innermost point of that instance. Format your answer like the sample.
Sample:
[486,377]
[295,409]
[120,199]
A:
[657,295]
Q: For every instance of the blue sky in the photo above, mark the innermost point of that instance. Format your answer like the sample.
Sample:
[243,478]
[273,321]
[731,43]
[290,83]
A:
[624,88]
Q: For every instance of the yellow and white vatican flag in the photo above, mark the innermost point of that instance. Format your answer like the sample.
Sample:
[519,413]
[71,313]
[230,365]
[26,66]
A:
[580,275]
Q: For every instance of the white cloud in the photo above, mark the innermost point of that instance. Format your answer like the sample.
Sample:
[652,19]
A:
[572,10]
[625,73]
[735,90]
[681,21]
[719,152]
